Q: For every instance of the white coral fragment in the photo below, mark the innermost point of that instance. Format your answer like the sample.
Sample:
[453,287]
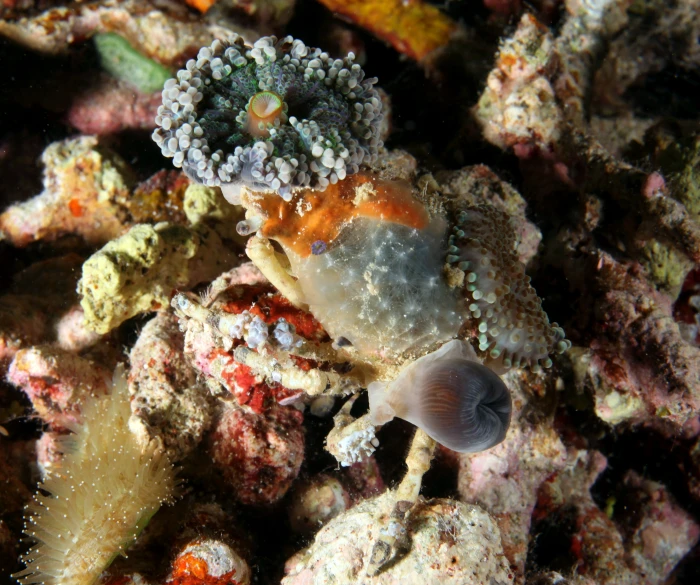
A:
[451,544]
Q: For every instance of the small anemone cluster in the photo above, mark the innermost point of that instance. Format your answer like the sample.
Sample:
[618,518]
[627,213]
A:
[512,326]
[273,116]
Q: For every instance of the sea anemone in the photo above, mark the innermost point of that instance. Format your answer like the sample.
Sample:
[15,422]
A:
[273,115]
[512,327]
[380,286]
[101,497]
[456,400]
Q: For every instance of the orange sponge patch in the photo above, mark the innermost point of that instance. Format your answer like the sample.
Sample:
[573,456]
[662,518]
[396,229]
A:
[315,216]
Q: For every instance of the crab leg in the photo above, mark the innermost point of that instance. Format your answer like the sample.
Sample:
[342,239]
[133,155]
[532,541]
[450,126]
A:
[263,255]
[313,382]
[418,461]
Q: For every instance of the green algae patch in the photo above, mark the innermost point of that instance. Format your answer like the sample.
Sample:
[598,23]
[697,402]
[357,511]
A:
[207,206]
[667,266]
[121,60]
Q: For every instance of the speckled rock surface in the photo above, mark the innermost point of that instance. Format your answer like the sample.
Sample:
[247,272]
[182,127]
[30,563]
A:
[167,397]
[139,271]
[259,456]
[451,543]
[81,186]
[57,382]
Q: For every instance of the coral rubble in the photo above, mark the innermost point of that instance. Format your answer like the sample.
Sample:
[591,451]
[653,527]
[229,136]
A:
[109,106]
[315,502]
[652,379]
[166,395]
[82,185]
[518,106]
[137,272]
[208,561]
[57,382]
[504,480]
[40,305]
[450,542]
[259,455]
[623,548]
[385,393]
[162,32]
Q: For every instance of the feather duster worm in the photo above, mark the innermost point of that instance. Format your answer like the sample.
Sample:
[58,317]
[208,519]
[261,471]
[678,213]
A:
[103,495]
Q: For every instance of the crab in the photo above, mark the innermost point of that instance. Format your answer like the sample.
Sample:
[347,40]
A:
[347,248]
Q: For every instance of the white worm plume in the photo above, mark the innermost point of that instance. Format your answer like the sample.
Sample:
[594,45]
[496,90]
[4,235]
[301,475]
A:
[101,497]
